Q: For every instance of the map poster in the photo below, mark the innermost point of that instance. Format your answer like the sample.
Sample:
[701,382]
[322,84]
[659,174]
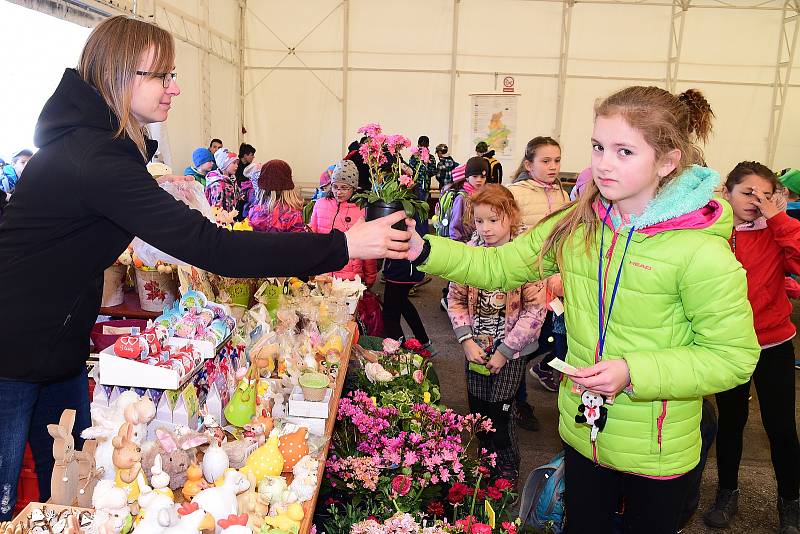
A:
[494,120]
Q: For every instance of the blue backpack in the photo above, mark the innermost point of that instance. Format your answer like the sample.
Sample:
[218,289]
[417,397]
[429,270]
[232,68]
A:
[542,503]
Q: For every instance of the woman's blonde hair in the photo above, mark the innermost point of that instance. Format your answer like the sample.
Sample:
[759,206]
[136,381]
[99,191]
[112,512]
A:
[500,200]
[290,197]
[109,62]
[666,121]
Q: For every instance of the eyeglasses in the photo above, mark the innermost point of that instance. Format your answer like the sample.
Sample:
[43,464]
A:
[167,77]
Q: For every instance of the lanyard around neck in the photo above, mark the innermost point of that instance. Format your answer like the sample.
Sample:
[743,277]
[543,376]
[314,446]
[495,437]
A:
[602,321]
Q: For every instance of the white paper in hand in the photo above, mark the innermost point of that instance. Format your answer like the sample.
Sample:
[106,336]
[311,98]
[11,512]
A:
[562,366]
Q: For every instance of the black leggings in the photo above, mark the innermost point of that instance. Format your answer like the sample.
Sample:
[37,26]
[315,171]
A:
[593,495]
[774,378]
[396,304]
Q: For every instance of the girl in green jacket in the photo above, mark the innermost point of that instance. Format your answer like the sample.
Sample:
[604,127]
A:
[656,307]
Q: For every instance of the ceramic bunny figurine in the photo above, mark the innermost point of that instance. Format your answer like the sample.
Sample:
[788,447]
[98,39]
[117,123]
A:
[64,482]
[127,458]
[160,480]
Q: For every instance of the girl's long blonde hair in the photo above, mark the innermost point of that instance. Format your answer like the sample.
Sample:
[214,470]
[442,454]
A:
[666,121]
[109,62]
[290,197]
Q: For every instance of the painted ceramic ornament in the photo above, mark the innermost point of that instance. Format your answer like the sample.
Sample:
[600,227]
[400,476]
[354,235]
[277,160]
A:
[267,460]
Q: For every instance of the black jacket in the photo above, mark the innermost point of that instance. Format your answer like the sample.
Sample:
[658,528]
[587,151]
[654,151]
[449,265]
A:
[84,197]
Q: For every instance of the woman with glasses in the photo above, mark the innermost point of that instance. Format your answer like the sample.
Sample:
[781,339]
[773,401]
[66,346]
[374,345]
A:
[86,194]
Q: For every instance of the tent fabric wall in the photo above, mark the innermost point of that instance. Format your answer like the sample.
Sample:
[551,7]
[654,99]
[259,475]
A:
[399,64]
[302,105]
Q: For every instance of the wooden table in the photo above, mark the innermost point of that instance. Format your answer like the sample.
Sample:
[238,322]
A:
[309,506]
[129,309]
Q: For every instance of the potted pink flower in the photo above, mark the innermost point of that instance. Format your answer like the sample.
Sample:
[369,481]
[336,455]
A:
[392,181]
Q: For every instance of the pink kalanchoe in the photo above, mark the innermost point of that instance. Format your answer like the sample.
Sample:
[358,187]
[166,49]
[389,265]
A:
[370,129]
[406,181]
[418,376]
[390,346]
[425,154]
[401,485]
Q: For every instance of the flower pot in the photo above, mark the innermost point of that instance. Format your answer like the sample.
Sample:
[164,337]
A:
[156,290]
[114,285]
[376,210]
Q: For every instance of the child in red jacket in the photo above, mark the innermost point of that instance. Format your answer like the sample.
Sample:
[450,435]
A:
[767,243]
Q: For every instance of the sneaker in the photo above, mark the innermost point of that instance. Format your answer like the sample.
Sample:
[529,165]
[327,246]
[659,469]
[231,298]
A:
[724,509]
[789,515]
[797,364]
[430,347]
[443,304]
[545,377]
[413,291]
[525,417]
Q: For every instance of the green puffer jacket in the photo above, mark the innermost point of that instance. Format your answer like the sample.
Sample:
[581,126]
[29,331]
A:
[681,319]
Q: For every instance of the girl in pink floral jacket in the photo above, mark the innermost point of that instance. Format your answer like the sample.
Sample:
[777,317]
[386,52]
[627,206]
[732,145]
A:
[496,329]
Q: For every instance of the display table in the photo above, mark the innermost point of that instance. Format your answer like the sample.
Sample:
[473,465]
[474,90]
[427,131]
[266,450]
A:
[309,506]
[129,309]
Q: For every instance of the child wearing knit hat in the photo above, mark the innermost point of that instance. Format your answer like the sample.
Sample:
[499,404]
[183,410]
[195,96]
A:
[221,190]
[279,206]
[336,211]
[202,164]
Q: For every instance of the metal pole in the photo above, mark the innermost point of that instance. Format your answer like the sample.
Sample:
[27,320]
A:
[783,71]
[453,60]
[242,41]
[566,23]
[345,66]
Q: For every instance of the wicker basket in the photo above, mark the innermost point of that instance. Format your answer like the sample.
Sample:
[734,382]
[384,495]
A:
[156,290]
[114,285]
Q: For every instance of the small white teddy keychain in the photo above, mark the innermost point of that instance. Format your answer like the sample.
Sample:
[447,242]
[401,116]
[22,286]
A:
[592,412]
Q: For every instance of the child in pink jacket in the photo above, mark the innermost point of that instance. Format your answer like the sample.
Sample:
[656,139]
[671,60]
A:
[336,211]
[496,329]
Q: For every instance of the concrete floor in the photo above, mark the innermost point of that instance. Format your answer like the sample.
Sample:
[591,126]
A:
[757,482]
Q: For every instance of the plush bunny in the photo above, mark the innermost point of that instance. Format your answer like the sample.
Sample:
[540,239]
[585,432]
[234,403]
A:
[64,482]
[177,453]
[150,519]
[106,421]
[88,473]
[127,458]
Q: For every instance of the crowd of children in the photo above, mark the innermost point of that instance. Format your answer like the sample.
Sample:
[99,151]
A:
[645,234]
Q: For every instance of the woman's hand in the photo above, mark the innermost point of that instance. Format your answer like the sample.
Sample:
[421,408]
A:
[607,377]
[767,206]
[377,239]
[473,352]
[174,178]
[496,362]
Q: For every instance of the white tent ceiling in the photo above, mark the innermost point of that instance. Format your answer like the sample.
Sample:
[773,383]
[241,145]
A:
[305,75]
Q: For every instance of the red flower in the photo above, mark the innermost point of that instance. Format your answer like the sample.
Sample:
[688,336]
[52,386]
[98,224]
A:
[484,470]
[474,527]
[494,493]
[425,353]
[413,344]
[436,508]
[401,484]
[372,518]
[511,528]
[480,495]
[457,493]
[503,484]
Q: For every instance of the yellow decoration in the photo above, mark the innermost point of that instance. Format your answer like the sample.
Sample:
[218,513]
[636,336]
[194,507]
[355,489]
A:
[490,513]
[266,461]
[426,397]
[243,225]
[287,520]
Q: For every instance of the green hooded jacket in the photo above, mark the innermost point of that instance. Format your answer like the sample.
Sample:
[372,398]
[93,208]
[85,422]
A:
[681,318]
